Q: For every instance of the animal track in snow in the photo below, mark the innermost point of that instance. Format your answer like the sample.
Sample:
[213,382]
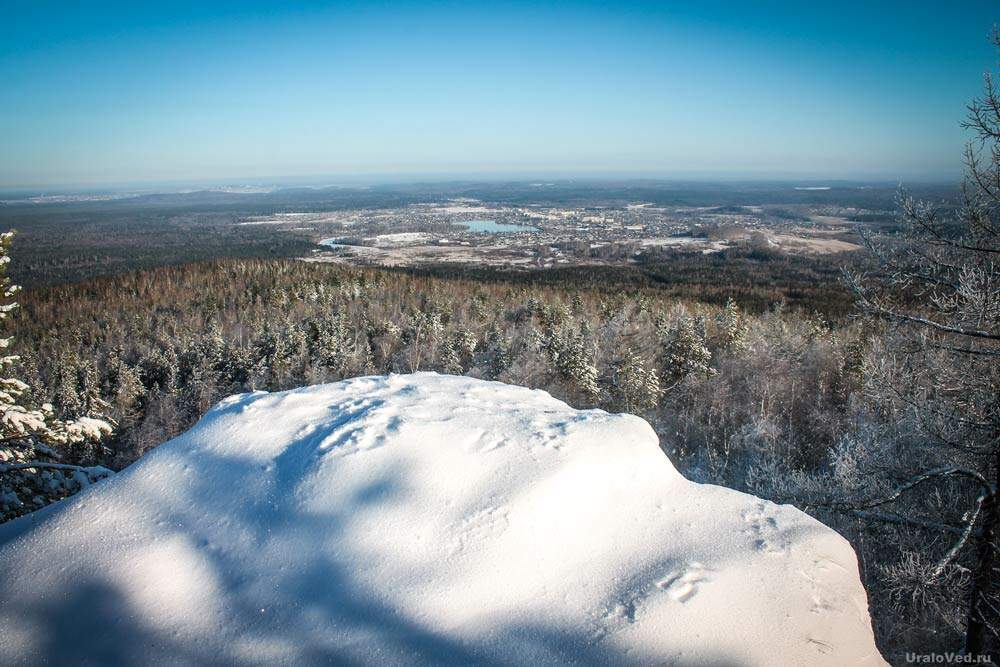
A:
[623,611]
[486,441]
[762,526]
[683,583]
[351,431]
[476,528]
[820,646]
[822,595]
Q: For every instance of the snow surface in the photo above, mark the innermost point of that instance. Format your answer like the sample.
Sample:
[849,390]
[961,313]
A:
[423,519]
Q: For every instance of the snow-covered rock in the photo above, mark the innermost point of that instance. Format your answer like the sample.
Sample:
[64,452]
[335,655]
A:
[423,519]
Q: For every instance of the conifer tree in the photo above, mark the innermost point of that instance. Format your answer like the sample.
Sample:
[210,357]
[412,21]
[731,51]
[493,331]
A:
[686,352]
[732,327]
[33,440]
[634,385]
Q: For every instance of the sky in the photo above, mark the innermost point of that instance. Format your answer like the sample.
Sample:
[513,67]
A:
[96,93]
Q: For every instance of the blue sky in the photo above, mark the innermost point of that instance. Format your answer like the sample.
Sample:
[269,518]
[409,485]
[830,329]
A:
[96,93]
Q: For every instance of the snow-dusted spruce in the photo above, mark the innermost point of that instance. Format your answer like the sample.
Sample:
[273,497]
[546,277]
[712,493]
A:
[31,472]
[634,386]
[685,350]
[566,349]
[416,519]
[733,328]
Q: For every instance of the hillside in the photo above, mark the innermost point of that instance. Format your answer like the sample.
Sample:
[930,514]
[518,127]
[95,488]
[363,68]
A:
[429,518]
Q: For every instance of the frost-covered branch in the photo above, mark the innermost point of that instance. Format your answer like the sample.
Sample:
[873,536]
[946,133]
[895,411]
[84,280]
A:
[912,483]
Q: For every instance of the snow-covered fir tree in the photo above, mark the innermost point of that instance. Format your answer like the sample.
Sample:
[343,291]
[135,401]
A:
[686,351]
[34,441]
[568,356]
[634,385]
[733,328]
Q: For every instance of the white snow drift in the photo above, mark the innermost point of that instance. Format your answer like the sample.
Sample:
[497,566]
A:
[429,519]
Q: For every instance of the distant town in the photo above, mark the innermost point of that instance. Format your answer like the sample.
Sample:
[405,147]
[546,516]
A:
[465,230]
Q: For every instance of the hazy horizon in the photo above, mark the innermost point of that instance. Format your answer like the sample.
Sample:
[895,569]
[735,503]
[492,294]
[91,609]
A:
[140,187]
[123,95]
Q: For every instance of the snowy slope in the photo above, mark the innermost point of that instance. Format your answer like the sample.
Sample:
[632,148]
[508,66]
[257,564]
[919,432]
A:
[424,518]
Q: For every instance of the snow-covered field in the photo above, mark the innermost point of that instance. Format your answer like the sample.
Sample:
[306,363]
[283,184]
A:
[400,239]
[423,519]
[342,219]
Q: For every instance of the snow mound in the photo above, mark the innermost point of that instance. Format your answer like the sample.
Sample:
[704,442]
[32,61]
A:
[423,519]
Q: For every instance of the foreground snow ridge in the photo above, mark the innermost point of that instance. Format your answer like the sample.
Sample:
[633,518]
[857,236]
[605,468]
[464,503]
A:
[423,519]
